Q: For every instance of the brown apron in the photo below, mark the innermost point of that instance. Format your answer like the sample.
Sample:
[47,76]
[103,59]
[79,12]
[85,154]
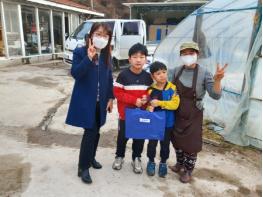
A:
[187,134]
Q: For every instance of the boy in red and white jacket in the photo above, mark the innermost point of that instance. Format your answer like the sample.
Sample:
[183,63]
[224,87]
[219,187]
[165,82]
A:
[130,90]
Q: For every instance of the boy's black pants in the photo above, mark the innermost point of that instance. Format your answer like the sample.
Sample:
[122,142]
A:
[90,142]
[165,147]
[137,144]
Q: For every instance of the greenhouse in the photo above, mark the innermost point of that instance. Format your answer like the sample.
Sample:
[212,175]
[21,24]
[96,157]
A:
[227,32]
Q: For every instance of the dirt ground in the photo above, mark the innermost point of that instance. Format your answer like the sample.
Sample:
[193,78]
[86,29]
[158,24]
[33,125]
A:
[38,155]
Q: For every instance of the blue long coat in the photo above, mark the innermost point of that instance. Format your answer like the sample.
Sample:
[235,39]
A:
[82,106]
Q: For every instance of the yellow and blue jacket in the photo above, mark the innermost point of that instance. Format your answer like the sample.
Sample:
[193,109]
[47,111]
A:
[168,100]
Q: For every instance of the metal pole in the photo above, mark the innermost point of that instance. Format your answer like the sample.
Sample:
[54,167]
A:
[4,30]
[70,22]
[52,31]
[63,31]
[91,4]
[21,30]
[38,32]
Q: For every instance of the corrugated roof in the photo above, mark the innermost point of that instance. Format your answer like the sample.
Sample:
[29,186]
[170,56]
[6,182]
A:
[166,3]
[71,3]
[68,5]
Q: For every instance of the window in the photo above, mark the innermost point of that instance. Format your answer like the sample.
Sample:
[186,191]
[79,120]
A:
[66,26]
[57,28]
[74,22]
[82,18]
[12,29]
[44,27]
[30,30]
[131,28]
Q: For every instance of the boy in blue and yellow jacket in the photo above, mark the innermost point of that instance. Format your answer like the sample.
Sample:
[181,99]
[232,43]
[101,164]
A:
[162,96]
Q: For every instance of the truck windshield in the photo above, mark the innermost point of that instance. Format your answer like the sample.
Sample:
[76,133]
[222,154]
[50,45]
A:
[81,30]
[84,29]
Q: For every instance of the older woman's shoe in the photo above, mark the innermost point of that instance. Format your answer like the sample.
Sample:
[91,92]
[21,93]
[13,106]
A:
[186,177]
[85,176]
[177,168]
[96,164]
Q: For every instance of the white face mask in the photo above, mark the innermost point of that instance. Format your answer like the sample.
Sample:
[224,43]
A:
[100,42]
[189,60]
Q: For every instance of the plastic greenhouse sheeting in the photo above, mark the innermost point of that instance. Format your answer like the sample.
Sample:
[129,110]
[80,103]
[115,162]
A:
[227,31]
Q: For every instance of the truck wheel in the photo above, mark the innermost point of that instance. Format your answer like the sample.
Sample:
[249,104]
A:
[116,64]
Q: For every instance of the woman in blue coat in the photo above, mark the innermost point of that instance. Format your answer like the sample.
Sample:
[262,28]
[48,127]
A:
[92,94]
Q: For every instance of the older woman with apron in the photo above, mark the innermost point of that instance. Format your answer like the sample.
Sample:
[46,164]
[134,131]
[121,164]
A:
[192,82]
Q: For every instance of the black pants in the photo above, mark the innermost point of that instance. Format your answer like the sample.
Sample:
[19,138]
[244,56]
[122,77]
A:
[186,159]
[90,142]
[137,145]
[165,147]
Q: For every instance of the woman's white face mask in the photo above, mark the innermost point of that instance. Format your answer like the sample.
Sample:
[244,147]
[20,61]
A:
[100,42]
[189,60]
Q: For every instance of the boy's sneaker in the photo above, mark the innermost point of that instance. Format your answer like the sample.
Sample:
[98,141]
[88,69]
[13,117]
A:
[137,165]
[117,164]
[151,168]
[162,170]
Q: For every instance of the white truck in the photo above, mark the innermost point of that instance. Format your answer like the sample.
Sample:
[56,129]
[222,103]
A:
[125,33]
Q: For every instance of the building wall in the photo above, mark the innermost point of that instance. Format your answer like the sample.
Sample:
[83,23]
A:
[159,32]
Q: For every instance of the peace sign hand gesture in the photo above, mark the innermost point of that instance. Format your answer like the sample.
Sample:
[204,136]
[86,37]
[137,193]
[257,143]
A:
[91,51]
[220,72]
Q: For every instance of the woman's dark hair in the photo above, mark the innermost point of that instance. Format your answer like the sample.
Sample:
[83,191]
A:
[107,50]
[156,66]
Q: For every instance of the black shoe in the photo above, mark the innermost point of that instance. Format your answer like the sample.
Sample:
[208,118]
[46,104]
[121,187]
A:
[79,172]
[96,164]
[85,176]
